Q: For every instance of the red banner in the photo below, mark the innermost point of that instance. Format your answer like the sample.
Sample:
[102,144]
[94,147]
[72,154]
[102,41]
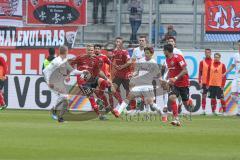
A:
[37,37]
[57,12]
[11,13]
[222,16]
[29,61]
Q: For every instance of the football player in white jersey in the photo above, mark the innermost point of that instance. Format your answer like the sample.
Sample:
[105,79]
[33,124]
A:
[55,74]
[236,80]
[138,52]
[141,83]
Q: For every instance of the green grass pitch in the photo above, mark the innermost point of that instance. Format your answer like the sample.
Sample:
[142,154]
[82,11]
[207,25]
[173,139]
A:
[26,135]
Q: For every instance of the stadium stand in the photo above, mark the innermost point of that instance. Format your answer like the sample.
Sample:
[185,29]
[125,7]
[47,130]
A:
[179,14]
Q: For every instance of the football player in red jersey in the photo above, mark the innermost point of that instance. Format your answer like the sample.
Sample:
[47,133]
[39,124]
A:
[120,66]
[3,72]
[105,68]
[95,79]
[178,80]
[104,58]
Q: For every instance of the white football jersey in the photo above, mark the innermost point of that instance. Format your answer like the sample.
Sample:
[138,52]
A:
[138,54]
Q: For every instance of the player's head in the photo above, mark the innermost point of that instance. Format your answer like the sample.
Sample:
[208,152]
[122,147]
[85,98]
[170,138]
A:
[172,41]
[149,52]
[119,42]
[90,49]
[142,40]
[168,50]
[217,57]
[208,53]
[97,49]
[63,51]
[51,51]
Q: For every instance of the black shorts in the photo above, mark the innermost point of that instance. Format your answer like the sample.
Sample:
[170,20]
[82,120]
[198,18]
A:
[124,82]
[215,92]
[91,83]
[1,84]
[204,89]
[180,91]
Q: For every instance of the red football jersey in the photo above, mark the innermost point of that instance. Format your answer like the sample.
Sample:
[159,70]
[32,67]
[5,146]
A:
[120,57]
[93,64]
[106,62]
[175,65]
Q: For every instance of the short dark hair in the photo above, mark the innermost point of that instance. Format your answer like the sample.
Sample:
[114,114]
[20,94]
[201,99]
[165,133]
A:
[51,51]
[143,36]
[97,45]
[218,54]
[171,37]
[168,47]
[119,38]
[208,49]
[239,41]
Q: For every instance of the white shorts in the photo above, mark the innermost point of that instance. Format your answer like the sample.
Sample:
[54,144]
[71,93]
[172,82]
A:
[145,91]
[235,85]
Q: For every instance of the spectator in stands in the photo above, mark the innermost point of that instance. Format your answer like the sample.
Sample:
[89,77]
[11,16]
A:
[135,7]
[170,33]
[95,11]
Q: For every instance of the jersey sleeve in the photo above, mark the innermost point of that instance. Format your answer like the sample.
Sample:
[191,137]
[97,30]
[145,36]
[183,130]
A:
[127,56]
[106,60]
[181,62]
[224,78]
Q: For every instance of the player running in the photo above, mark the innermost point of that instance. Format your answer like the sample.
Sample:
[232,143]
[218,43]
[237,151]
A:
[172,41]
[178,80]
[202,77]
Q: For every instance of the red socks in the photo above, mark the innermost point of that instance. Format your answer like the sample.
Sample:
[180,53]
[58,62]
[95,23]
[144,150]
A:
[94,104]
[223,103]
[2,102]
[118,97]
[214,104]
[203,103]
[174,108]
